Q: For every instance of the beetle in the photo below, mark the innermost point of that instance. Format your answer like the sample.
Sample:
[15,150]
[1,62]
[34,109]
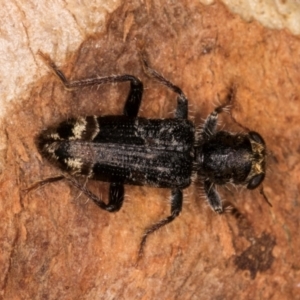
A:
[163,153]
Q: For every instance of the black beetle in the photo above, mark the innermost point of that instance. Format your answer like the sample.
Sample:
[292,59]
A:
[164,153]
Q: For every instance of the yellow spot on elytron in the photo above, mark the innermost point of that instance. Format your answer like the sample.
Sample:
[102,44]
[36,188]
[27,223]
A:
[73,163]
[79,128]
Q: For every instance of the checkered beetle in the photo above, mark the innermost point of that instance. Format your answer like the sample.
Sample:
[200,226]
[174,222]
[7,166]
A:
[163,153]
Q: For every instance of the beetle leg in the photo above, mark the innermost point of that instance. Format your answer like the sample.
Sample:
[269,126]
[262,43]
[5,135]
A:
[182,101]
[182,107]
[116,192]
[134,98]
[176,206]
[44,182]
[213,197]
[211,122]
[116,195]
[210,126]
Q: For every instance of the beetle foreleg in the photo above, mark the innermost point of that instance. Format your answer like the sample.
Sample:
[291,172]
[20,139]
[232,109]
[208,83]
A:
[211,122]
[213,197]
[210,125]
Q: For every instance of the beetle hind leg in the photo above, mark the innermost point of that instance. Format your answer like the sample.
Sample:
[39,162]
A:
[134,98]
[116,195]
[43,182]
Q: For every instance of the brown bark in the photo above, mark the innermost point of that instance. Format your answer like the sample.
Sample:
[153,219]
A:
[56,245]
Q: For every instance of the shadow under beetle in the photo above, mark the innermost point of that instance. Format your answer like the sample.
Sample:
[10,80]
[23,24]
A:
[164,153]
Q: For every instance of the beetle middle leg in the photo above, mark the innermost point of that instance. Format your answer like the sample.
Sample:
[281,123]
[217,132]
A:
[182,101]
[176,206]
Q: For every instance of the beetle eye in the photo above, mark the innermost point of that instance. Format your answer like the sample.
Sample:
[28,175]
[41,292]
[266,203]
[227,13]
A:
[255,181]
[256,137]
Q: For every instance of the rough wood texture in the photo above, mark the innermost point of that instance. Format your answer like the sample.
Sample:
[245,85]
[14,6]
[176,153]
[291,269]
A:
[56,245]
